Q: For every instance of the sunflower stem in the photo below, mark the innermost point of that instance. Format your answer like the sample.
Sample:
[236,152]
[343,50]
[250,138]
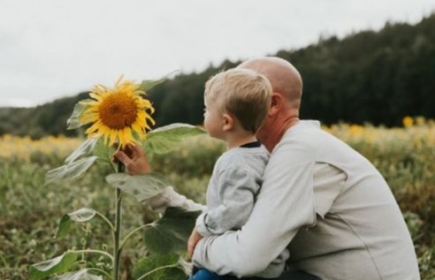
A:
[117,230]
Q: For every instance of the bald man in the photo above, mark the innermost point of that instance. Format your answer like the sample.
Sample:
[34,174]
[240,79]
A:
[320,199]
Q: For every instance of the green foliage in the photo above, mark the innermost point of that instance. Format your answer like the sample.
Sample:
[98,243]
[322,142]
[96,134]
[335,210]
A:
[374,77]
[14,125]
[171,232]
[142,187]
[159,267]
[165,139]
[57,265]
[146,85]
[74,120]
[69,171]
[81,215]
[79,275]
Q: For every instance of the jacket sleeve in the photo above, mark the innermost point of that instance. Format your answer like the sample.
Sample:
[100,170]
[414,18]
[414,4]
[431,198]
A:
[284,205]
[236,190]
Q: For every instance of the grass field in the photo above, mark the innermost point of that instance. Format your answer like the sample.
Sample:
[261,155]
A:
[31,210]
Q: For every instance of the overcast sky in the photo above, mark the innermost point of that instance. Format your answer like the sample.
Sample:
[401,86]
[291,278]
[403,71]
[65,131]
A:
[55,48]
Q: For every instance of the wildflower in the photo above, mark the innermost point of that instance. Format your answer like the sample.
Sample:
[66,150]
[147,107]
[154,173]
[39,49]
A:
[420,120]
[408,121]
[356,130]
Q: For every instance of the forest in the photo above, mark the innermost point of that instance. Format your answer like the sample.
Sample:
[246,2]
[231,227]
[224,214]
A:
[369,77]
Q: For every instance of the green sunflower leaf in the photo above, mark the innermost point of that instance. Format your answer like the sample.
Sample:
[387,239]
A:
[171,232]
[79,275]
[104,153]
[85,148]
[57,265]
[141,187]
[69,171]
[149,84]
[150,266]
[73,121]
[82,215]
[63,227]
[167,138]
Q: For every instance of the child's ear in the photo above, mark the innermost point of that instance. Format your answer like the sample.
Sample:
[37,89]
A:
[228,122]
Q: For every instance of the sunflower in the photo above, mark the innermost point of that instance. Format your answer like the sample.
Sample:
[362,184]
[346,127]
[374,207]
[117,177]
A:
[120,115]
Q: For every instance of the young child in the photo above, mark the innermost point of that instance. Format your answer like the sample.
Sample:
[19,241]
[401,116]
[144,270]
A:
[236,103]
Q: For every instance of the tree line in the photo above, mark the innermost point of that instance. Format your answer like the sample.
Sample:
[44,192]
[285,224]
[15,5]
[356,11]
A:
[375,77]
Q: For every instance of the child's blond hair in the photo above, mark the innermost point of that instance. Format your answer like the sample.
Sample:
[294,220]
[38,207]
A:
[243,93]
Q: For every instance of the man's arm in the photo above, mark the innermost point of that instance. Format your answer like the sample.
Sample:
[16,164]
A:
[284,205]
[236,191]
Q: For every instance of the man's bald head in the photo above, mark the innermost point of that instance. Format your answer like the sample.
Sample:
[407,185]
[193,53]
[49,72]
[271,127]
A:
[283,76]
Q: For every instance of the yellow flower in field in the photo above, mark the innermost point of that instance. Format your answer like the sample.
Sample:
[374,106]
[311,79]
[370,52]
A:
[356,130]
[420,120]
[117,114]
[408,121]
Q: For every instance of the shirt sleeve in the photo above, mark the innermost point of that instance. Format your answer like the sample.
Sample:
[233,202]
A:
[284,205]
[236,189]
[170,198]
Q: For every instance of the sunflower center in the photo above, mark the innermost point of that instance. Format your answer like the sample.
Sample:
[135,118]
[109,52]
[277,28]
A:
[118,111]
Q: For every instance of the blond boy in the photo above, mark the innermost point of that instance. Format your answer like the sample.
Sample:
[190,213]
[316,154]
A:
[236,103]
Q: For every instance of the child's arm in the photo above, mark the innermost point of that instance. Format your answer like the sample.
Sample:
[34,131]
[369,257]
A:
[170,198]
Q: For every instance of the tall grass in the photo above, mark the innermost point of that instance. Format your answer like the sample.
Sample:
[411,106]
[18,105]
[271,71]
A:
[30,210]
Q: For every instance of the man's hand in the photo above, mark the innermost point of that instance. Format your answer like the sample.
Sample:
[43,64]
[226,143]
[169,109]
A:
[191,244]
[134,159]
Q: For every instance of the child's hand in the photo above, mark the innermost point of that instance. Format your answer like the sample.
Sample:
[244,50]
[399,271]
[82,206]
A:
[191,244]
[134,159]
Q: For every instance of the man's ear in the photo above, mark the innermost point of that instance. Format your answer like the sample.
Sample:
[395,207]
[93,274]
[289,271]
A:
[277,104]
[228,122]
